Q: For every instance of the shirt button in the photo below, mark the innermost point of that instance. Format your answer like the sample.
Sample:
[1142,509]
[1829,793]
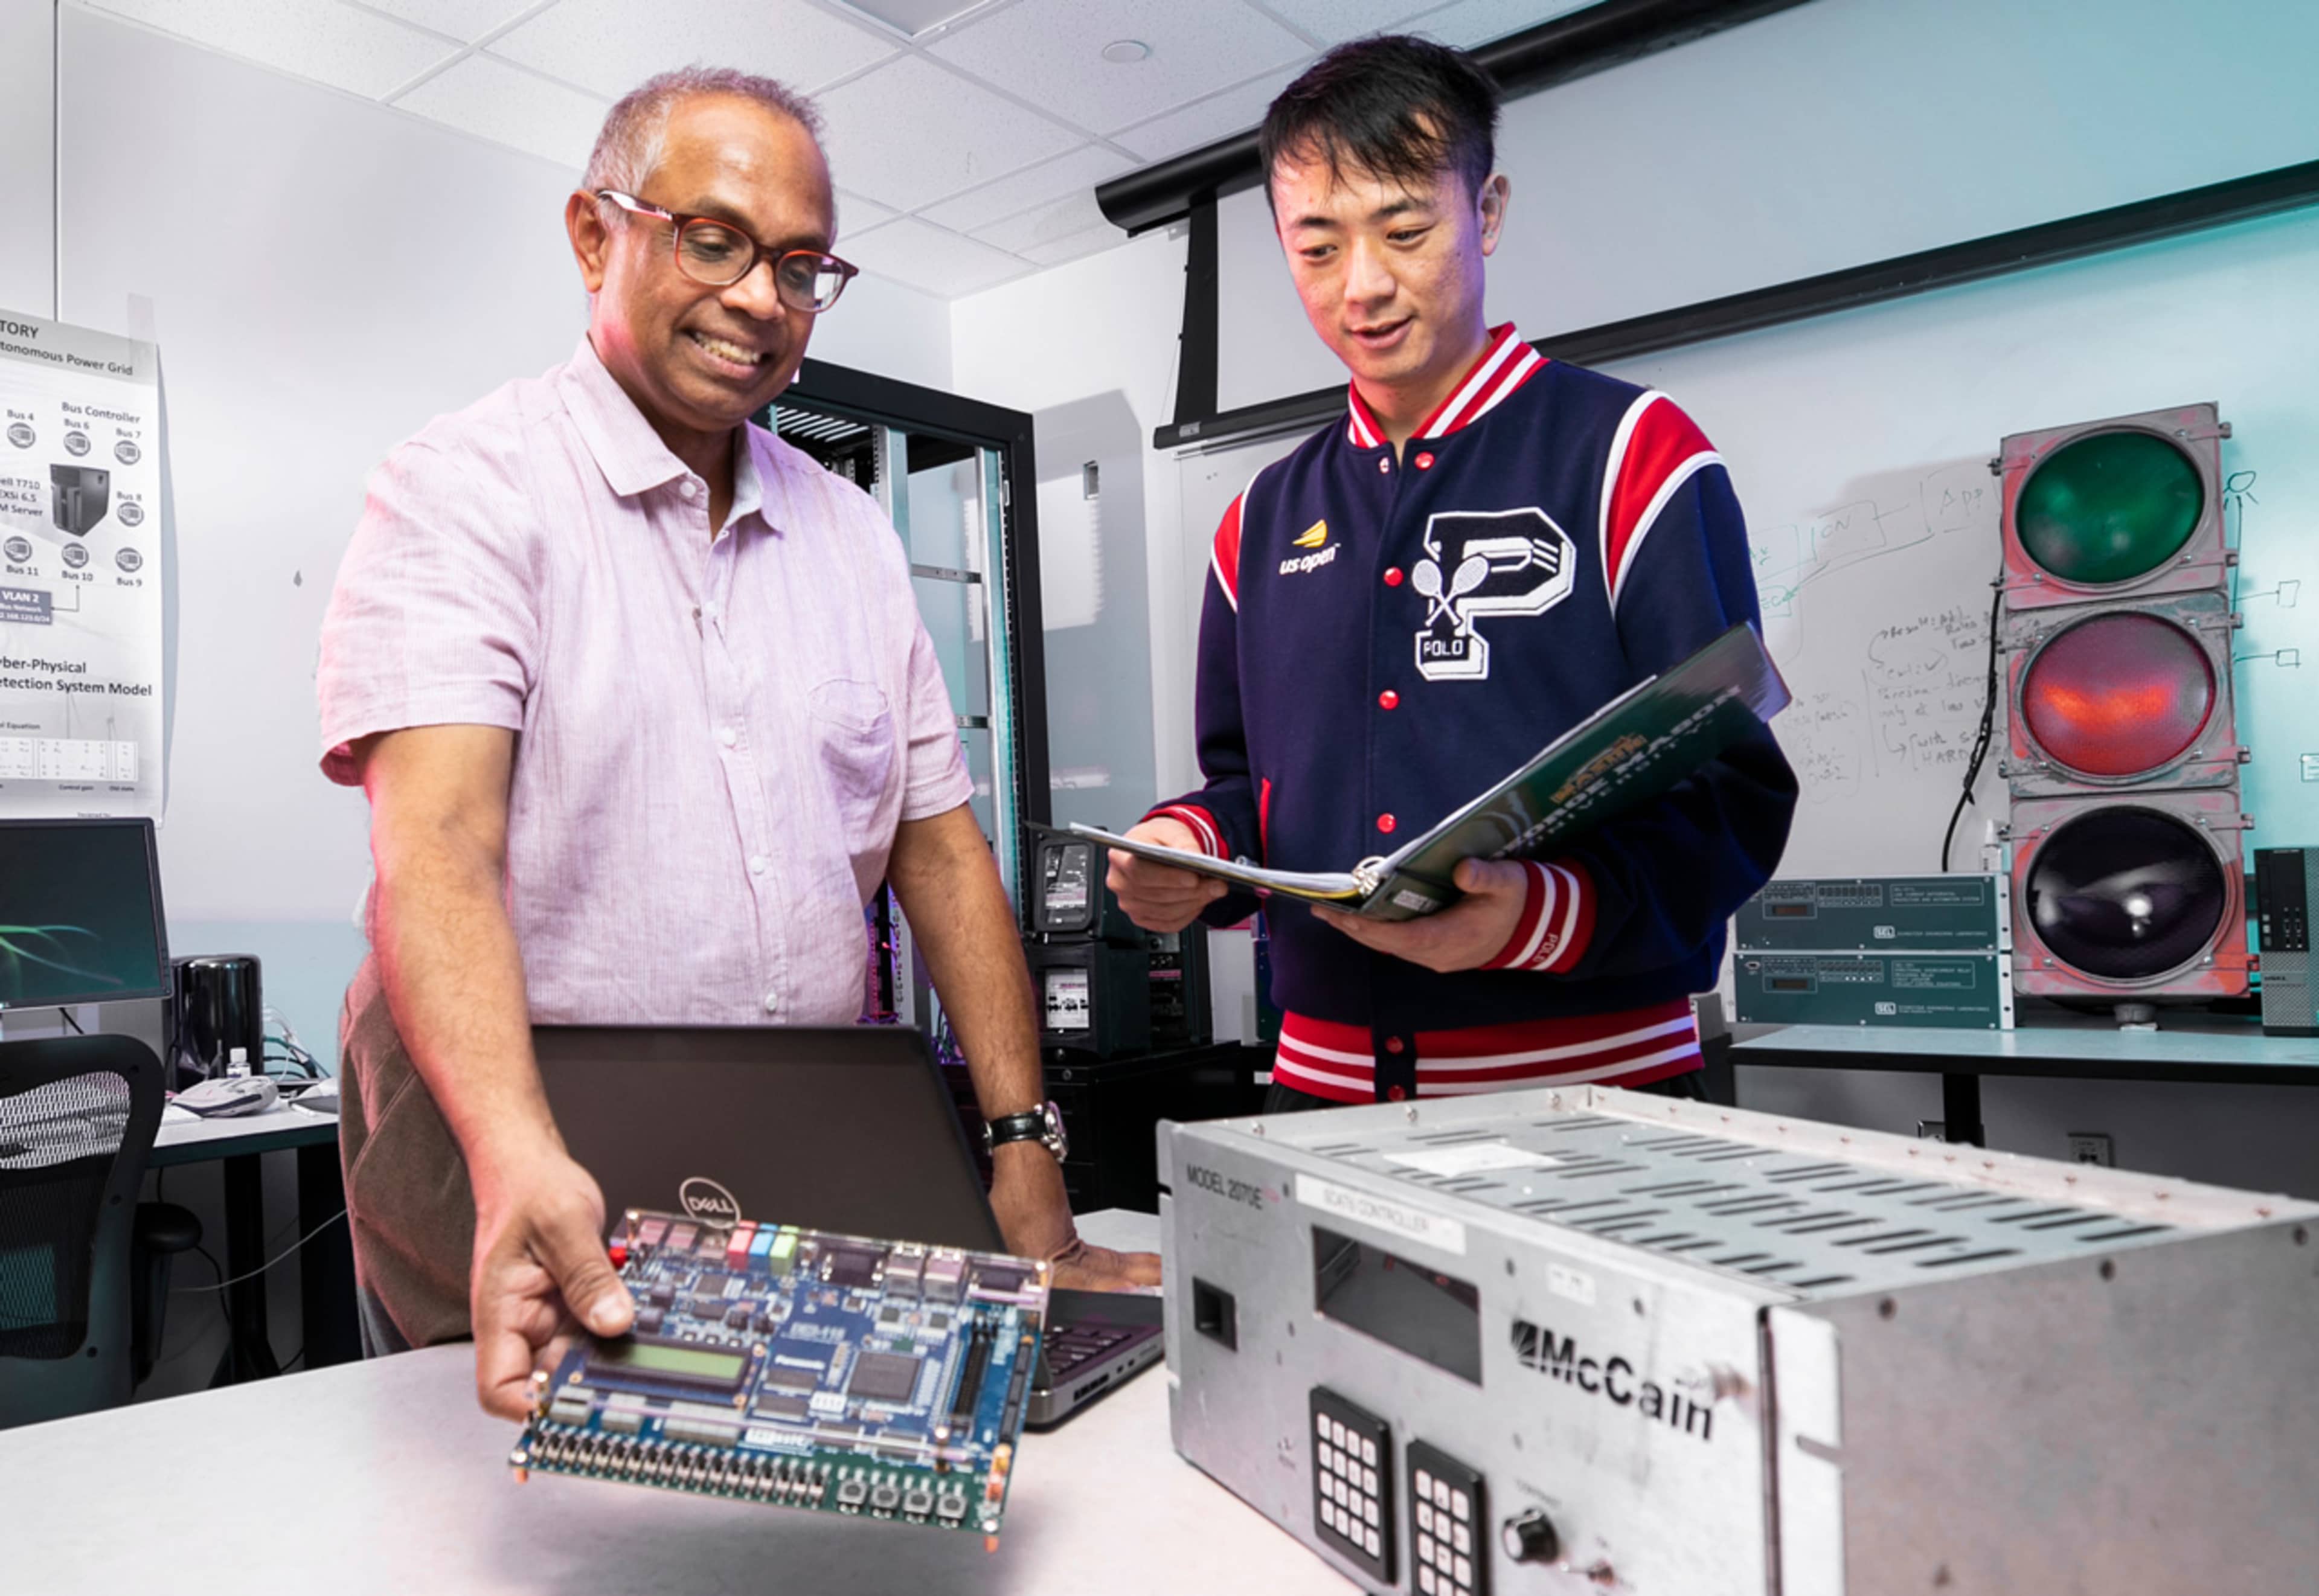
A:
[1394,1093]
[1383,466]
[1384,823]
[757,863]
[1393,1044]
[1388,700]
[688,487]
[728,735]
[773,1003]
[1393,577]
[1425,462]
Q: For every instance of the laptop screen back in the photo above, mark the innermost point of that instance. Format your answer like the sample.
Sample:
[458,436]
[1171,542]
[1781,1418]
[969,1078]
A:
[849,1129]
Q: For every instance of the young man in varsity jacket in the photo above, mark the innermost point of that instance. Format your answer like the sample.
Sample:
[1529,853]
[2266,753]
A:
[1485,548]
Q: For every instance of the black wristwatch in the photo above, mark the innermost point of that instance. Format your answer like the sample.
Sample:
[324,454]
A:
[1042,1124]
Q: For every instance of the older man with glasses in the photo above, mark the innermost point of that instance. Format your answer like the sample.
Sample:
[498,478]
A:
[644,709]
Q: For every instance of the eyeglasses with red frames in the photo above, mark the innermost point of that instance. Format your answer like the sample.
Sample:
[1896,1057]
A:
[717,255]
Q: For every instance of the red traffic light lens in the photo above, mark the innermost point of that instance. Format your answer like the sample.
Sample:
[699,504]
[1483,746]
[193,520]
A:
[2118,695]
[2109,508]
[2124,894]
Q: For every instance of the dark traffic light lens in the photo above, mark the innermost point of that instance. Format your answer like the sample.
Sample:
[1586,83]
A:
[2118,695]
[2109,508]
[2125,894]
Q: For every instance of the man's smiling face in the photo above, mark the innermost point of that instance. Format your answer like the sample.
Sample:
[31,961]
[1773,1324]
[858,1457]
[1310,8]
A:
[697,358]
[1391,273]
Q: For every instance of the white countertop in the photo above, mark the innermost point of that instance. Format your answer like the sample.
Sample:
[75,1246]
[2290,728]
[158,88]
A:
[384,1477]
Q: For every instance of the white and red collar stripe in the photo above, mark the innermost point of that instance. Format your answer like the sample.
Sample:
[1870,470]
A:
[1505,365]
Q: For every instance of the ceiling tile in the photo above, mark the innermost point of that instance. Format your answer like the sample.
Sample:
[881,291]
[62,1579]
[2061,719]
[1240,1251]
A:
[507,105]
[1470,22]
[337,45]
[1335,21]
[909,133]
[858,215]
[1049,52]
[1234,110]
[610,46]
[1077,173]
[1018,234]
[935,259]
[462,18]
[1093,241]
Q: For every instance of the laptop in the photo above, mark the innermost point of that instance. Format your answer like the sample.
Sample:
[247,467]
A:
[847,1128]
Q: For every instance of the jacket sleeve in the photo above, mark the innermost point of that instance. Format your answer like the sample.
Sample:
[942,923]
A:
[1223,812]
[1656,885]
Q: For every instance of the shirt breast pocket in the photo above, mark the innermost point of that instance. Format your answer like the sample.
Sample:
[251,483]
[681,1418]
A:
[854,749]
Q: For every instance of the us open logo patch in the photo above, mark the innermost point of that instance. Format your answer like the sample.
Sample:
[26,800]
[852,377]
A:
[1510,563]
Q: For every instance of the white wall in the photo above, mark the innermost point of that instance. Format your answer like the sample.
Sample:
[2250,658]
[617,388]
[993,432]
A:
[28,241]
[1836,133]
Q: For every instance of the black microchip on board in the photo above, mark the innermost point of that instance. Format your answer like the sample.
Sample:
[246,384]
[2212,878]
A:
[1004,1282]
[850,1265]
[884,1376]
[781,1407]
[785,1378]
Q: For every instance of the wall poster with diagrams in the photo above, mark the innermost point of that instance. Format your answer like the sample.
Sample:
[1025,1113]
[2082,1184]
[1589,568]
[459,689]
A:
[80,572]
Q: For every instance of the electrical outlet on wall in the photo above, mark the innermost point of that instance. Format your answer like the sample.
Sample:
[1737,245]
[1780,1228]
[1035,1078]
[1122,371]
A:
[2093,1147]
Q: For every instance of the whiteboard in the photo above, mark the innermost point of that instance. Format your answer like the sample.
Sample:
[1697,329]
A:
[1859,443]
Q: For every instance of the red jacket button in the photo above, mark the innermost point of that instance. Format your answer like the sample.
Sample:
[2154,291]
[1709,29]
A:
[1393,1044]
[1384,823]
[1425,462]
[1394,1093]
[1388,699]
[1393,577]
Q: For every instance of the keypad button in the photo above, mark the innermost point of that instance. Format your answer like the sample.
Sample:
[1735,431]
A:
[1425,1518]
[1441,1493]
[1461,1537]
[1425,1580]
[1464,1571]
[1321,1425]
[1461,1506]
[1369,1451]
[1370,1541]
[1369,1481]
[1369,1511]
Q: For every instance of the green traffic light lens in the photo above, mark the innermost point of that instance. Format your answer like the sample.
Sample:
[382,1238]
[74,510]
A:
[2109,507]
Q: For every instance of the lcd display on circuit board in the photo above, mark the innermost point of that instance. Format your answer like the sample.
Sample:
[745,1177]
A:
[833,1373]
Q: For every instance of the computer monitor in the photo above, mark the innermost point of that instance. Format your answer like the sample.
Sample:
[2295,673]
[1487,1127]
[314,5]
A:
[80,913]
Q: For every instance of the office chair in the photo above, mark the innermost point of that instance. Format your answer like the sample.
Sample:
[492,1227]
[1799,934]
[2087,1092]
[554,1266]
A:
[79,1310]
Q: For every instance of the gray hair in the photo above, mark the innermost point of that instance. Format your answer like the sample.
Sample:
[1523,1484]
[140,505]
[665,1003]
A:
[629,147]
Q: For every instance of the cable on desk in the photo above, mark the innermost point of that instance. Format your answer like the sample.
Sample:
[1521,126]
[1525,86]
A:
[269,1263]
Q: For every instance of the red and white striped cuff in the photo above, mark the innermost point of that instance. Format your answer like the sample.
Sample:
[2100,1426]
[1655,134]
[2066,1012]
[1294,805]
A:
[1202,825]
[1556,923]
[1324,1058]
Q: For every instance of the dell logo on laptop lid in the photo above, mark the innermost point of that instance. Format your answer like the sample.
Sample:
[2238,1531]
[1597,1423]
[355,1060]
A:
[703,1198]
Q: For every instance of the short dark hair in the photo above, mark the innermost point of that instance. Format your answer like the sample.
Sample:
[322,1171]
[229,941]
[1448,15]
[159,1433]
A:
[1401,109]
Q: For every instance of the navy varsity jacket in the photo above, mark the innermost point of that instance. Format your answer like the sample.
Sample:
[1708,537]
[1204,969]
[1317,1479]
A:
[1381,639]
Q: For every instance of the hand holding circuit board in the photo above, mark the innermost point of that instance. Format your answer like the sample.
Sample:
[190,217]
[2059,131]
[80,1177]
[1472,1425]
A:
[802,1368]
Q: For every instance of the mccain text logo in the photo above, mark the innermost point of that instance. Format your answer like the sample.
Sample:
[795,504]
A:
[1613,1379]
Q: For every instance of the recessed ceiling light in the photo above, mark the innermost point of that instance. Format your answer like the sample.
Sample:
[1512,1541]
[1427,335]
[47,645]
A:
[1126,52]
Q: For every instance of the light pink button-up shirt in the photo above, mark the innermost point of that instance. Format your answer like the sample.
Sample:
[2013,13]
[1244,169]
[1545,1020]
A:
[716,736]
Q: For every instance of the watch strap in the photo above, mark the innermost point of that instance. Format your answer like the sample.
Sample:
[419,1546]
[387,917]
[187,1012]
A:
[1030,1125]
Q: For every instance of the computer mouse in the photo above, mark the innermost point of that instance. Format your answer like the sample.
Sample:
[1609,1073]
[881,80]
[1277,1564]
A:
[229,1095]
